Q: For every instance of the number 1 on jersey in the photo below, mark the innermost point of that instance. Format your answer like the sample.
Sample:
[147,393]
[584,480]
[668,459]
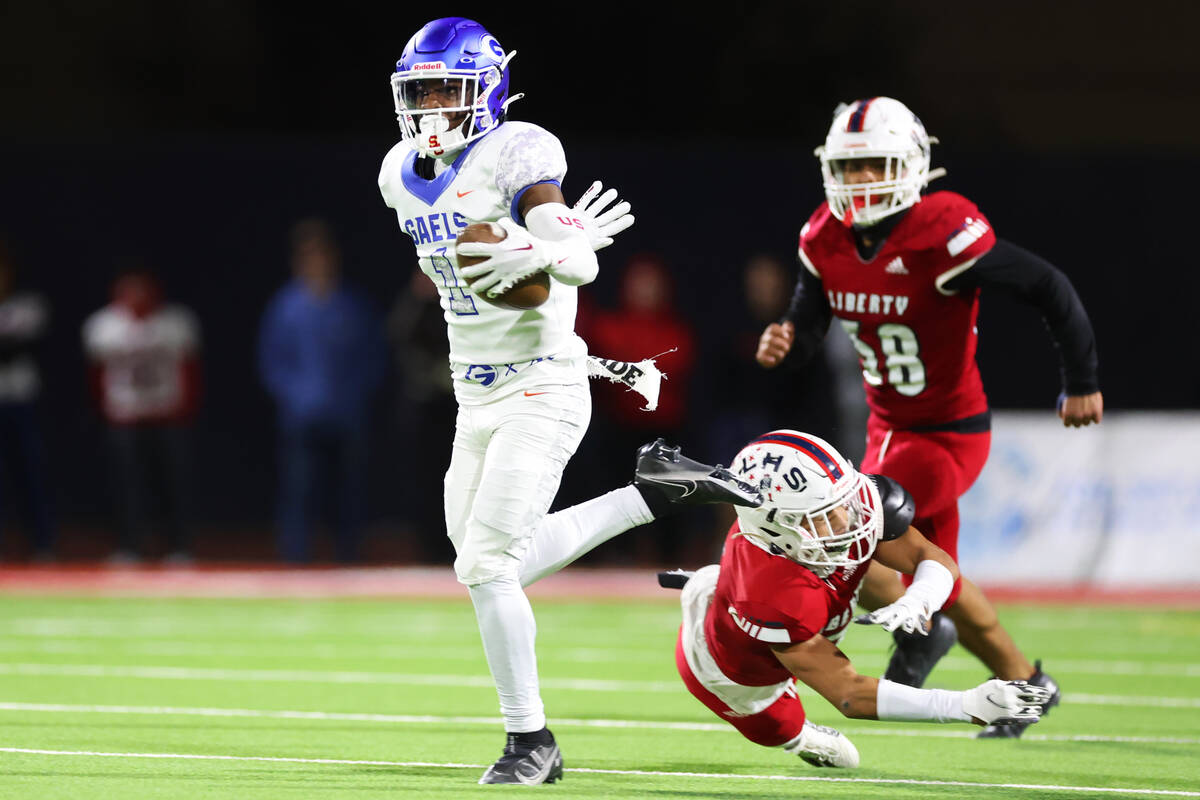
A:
[461,303]
[901,357]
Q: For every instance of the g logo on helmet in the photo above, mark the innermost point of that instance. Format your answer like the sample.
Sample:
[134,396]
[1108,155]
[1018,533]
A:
[492,46]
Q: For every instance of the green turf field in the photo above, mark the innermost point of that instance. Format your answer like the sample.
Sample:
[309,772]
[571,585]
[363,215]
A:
[114,698]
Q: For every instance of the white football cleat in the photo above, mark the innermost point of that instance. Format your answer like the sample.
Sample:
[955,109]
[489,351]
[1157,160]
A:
[823,747]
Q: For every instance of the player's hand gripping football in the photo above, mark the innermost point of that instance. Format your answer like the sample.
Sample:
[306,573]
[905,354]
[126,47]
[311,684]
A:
[1005,701]
[514,258]
[910,614]
[1077,410]
[600,225]
[775,343]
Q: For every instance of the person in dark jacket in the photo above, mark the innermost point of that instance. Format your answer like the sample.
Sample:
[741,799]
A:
[321,355]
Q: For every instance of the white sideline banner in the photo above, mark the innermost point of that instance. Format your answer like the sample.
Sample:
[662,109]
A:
[1113,506]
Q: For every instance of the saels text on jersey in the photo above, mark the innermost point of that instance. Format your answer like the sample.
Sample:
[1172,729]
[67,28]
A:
[915,340]
[436,227]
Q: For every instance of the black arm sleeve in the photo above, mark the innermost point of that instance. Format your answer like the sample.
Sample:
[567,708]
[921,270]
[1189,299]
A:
[898,507]
[1033,280]
[809,312]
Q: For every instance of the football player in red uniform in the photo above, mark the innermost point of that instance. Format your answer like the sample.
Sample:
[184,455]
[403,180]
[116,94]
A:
[774,609]
[902,273]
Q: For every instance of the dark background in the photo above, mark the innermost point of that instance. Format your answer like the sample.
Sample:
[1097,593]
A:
[191,136]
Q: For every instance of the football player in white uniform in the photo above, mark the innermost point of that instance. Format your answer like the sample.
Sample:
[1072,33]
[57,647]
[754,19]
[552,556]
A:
[520,377]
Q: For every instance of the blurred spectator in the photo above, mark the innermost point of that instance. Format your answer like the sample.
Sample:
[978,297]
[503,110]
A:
[144,372]
[748,399]
[321,355]
[646,324]
[23,323]
[425,409]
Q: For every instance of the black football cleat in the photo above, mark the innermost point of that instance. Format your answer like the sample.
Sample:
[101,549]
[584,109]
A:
[675,578]
[678,479]
[915,655]
[527,762]
[1013,730]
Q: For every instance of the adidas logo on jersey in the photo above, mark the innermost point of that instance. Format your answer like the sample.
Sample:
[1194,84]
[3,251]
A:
[896,267]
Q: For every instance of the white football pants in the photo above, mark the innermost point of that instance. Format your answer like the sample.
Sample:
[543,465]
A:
[505,469]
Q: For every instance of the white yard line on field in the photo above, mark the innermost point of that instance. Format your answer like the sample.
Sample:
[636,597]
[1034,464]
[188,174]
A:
[342,652]
[426,719]
[630,772]
[477,681]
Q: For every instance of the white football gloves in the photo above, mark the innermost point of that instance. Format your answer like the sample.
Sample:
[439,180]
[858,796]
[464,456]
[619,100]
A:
[509,261]
[910,614]
[600,225]
[521,253]
[932,584]
[1006,701]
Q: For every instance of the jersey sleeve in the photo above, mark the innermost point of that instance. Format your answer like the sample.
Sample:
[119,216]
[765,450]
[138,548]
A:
[392,162]
[810,248]
[769,624]
[532,155]
[961,234]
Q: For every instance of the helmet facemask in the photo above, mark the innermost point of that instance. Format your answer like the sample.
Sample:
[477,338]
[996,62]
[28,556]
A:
[865,203]
[818,510]
[880,129]
[439,130]
[840,533]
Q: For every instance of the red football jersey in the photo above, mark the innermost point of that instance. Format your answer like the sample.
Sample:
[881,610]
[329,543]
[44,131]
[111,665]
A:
[915,342]
[763,599]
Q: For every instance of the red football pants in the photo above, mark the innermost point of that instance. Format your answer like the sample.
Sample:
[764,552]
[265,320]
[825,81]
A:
[781,722]
[936,469]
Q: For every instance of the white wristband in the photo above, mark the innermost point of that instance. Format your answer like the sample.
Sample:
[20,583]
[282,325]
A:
[899,703]
[571,258]
[932,583]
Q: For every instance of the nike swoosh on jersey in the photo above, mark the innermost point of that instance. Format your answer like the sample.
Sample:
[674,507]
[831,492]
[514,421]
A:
[463,194]
[533,394]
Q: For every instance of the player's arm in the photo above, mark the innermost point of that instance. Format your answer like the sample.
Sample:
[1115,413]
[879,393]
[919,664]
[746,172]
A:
[800,333]
[1035,281]
[903,548]
[543,233]
[554,240]
[820,665]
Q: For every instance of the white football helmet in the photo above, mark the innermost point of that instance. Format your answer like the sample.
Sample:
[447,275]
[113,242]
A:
[875,128]
[818,510]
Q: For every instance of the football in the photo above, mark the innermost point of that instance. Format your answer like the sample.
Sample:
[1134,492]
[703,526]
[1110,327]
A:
[525,294]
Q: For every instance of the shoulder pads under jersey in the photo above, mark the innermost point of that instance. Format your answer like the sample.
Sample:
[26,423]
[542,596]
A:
[898,506]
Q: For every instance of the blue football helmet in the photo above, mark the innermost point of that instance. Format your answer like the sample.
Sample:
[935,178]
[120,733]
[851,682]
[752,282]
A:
[450,86]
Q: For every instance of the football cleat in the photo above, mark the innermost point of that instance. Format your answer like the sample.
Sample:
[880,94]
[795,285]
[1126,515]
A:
[526,763]
[675,578]
[823,747]
[1014,729]
[916,654]
[679,479]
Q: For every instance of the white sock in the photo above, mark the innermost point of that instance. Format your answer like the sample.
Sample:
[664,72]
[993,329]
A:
[508,630]
[565,535]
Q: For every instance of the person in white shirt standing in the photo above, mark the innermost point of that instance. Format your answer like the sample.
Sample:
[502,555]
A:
[144,370]
[520,376]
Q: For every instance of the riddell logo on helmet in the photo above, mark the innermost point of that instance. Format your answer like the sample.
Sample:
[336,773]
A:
[429,65]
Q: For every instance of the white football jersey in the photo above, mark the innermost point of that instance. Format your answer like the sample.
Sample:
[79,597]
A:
[483,185]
